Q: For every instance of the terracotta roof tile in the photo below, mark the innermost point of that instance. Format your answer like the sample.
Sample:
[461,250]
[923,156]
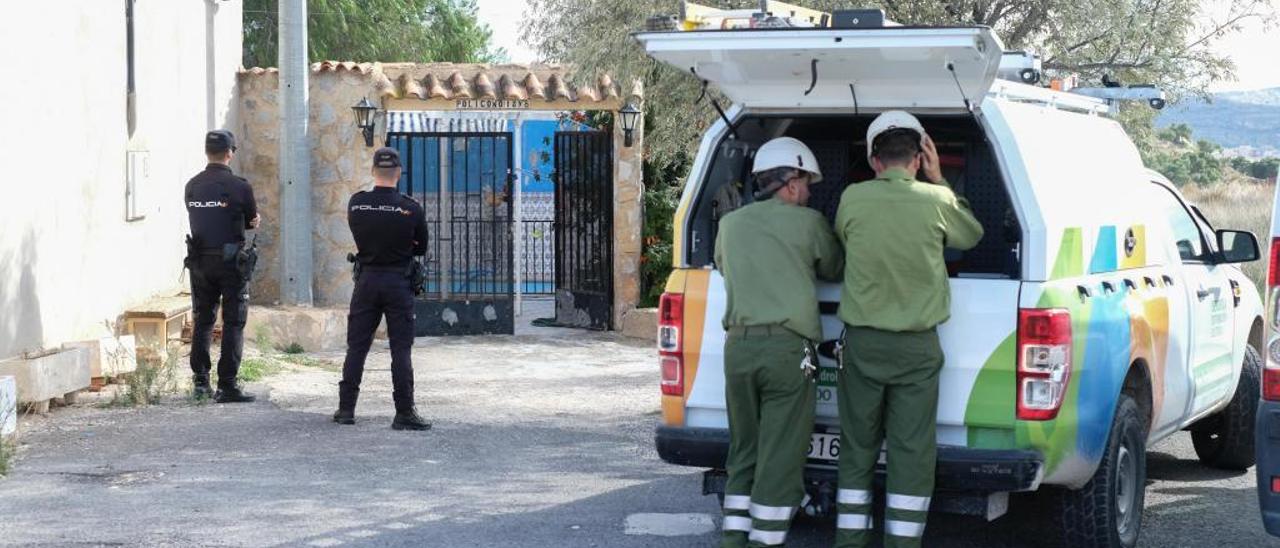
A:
[434,89]
[459,85]
[484,87]
[410,86]
[533,86]
[425,81]
[510,90]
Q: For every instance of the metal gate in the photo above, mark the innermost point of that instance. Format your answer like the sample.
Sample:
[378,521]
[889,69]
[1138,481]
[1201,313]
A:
[584,228]
[463,181]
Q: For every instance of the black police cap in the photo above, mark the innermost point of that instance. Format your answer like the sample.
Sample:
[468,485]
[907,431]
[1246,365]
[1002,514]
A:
[219,140]
[386,157]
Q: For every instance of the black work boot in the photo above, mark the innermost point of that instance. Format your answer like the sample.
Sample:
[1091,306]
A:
[409,420]
[200,388]
[232,394]
[346,413]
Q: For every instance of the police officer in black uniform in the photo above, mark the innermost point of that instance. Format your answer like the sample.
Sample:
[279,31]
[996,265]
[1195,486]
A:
[390,229]
[220,207]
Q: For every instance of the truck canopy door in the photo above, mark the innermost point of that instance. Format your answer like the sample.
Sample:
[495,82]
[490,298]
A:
[896,67]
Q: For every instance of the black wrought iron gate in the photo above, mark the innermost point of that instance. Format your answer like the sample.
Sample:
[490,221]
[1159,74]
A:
[584,228]
[463,181]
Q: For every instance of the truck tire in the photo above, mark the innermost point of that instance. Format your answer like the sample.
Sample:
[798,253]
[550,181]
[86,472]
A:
[1107,511]
[1225,440]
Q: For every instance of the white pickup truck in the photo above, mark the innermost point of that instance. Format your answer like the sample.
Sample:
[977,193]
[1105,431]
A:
[1140,324]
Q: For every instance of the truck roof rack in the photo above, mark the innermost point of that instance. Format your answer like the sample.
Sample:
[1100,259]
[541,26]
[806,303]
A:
[1025,93]
[1025,68]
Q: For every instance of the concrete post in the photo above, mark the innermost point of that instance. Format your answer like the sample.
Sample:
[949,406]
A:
[295,158]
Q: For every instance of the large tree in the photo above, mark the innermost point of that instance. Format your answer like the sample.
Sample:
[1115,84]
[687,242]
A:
[374,30]
[1163,42]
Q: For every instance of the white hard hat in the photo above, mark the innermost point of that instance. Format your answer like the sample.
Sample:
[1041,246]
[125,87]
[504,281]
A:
[787,152]
[893,119]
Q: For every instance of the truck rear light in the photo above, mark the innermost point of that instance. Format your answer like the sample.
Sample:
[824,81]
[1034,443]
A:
[670,343]
[672,375]
[1275,484]
[1044,362]
[1271,361]
[670,321]
[1273,274]
[1271,372]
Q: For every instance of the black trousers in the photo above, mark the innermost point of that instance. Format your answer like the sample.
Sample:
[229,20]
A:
[215,282]
[379,293]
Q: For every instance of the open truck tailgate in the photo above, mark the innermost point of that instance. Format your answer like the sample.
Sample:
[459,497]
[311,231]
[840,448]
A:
[887,68]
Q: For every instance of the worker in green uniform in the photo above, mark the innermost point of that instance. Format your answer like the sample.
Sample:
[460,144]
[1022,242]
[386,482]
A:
[770,253]
[894,229]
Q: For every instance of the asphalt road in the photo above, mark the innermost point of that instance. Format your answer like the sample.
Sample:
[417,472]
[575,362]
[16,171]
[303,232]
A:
[539,441]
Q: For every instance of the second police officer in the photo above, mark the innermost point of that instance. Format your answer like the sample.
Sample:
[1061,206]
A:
[390,229]
[220,207]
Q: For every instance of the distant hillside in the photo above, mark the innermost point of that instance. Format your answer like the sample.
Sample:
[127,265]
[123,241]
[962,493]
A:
[1245,122]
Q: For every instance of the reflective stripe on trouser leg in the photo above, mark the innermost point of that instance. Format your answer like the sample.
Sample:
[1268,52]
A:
[904,519]
[785,408]
[742,402]
[859,401]
[910,427]
[737,522]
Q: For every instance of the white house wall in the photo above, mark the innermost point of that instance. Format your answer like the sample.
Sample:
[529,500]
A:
[69,261]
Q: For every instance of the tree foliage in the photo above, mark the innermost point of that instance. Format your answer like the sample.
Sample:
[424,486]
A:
[374,30]
[1263,168]
[1179,134]
[1163,42]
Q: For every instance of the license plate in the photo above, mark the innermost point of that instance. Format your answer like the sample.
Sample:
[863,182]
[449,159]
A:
[824,447]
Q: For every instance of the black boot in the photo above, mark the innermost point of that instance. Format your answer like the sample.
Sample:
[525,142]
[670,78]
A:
[409,420]
[232,394]
[346,413]
[200,387]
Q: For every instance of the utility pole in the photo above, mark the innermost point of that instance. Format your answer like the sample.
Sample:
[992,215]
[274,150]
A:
[295,157]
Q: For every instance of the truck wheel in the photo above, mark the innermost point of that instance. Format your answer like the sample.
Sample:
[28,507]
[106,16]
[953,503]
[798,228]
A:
[1225,440]
[1107,511]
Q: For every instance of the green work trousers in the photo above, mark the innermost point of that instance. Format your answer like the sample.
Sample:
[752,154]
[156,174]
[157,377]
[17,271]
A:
[770,404]
[888,391]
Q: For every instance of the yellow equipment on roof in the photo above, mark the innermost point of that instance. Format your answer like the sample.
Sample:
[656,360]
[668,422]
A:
[699,17]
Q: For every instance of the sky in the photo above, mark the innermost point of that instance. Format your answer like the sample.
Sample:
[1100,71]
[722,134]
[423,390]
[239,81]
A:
[504,18]
[1253,50]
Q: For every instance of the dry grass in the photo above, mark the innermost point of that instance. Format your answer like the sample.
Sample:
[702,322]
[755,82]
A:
[7,445]
[1240,205]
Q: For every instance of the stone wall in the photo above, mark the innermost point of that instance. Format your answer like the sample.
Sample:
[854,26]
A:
[257,159]
[340,164]
[628,220]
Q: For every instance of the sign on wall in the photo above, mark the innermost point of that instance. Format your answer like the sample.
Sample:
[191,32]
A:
[492,104]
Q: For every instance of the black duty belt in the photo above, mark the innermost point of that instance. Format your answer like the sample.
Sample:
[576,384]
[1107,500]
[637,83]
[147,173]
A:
[758,330]
[385,268]
[210,252]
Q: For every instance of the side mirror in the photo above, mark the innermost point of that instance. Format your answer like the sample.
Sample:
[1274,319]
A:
[1237,246]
